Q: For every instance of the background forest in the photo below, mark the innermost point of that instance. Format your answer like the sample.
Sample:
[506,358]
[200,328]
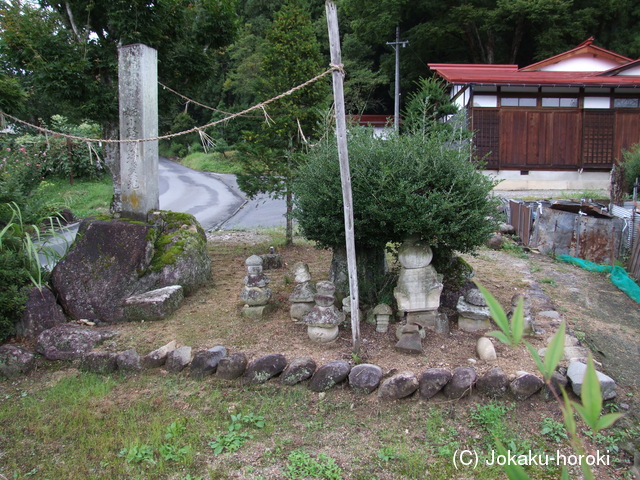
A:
[61,57]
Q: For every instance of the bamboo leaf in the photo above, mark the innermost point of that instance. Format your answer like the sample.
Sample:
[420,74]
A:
[500,336]
[567,414]
[591,396]
[607,420]
[517,323]
[586,471]
[554,353]
[497,313]
[537,359]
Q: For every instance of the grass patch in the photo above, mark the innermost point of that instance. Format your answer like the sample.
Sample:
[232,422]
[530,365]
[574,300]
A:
[157,427]
[84,198]
[213,162]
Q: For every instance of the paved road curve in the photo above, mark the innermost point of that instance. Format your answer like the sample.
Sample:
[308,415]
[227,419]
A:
[204,195]
[214,199]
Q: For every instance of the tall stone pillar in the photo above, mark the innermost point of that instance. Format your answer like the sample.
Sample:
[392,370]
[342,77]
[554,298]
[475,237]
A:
[138,96]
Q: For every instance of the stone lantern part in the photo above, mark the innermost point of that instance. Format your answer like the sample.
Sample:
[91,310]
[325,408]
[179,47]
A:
[324,318]
[255,293]
[303,296]
[382,313]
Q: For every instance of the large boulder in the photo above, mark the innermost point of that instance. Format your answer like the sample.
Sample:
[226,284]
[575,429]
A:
[576,373]
[42,312]
[461,383]
[432,380]
[102,268]
[70,341]
[232,367]
[153,305]
[112,260]
[158,357]
[365,378]
[99,362]
[493,383]
[399,386]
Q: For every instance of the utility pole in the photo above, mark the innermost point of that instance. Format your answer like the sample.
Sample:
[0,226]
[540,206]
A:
[345,174]
[396,110]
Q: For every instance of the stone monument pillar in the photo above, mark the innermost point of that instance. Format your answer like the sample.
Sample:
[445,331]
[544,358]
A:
[138,96]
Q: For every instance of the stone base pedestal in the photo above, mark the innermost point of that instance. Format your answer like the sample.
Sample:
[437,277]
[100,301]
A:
[256,312]
[431,319]
[473,325]
[410,343]
[322,334]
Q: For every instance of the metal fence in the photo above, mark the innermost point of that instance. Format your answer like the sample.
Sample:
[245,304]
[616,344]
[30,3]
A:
[520,217]
[634,261]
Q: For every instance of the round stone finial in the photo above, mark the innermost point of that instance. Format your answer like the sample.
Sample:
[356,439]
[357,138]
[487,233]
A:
[301,273]
[253,261]
[382,309]
[413,254]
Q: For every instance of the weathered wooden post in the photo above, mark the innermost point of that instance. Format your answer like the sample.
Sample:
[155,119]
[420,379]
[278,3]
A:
[345,175]
[138,96]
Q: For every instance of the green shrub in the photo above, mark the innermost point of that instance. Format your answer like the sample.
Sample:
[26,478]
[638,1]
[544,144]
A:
[14,278]
[631,165]
[19,267]
[402,186]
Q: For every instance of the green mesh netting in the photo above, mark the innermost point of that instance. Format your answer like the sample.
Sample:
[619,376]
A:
[618,275]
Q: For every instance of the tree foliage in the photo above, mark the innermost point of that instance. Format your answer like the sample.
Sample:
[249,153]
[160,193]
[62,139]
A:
[271,152]
[404,185]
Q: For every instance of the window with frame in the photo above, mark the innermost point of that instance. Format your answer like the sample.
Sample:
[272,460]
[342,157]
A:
[626,103]
[560,102]
[518,102]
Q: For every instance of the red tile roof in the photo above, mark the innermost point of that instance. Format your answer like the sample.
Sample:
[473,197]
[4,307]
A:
[486,74]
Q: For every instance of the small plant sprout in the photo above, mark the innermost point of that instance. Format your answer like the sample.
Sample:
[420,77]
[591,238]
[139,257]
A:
[589,408]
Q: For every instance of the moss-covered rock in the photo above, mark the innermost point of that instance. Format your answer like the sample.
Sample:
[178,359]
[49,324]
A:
[114,259]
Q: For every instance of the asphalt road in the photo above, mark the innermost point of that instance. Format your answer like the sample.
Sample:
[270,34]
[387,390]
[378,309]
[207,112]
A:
[203,195]
[214,199]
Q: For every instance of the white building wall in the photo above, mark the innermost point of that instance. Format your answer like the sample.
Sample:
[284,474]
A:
[581,63]
[550,180]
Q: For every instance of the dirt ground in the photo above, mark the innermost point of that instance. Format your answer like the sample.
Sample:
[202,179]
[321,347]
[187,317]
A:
[604,318]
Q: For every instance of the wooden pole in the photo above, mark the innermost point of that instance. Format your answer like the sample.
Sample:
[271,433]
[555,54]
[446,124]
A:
[345,175]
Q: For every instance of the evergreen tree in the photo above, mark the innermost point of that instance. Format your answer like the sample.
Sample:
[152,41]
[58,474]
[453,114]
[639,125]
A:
[272,150]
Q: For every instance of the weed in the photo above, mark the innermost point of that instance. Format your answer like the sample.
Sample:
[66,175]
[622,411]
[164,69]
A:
[387,454]
[173,453]
[356,358]
[138,454]
[230,441]
[514,249]
[549,281]
[553,430]
[490,417]
[234,439]
[301,465]
[175,430]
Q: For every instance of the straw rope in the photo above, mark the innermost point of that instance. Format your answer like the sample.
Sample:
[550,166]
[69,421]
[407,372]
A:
[262,105]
